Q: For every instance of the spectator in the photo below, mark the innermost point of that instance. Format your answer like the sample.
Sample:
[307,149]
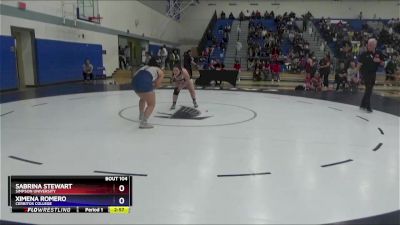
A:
[209,35]
[87,70]
[121,56]
[163,54]
[341,76]
[237,67]
[316,83]
[275,70]
[222,46]
[253,15]
[266,14]
[390,70]
[272,15]
[247,14]
[187,62]
[257,71]
[352,76]
[241,16]
[308,82]
[267,70]
[147,58]
[325,70]
[127,54]
[231,17]
[223,15]
[258,15]
[174,58]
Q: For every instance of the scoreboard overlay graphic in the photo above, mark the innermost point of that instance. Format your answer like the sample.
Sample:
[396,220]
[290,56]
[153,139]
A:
[70,194]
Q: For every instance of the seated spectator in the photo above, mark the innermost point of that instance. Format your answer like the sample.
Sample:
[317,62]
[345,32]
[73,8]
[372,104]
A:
[212,64]
[220,66]
[390,70]
[257,71]
[352,76]
[231,17]
[267,70]
[308,82]
[316,83]
[221,29]
[209,35]
[87,70]
[214,40]
[341,77]
[222,45]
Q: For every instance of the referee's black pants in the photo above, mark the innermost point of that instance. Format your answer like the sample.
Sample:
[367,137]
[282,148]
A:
[369,85]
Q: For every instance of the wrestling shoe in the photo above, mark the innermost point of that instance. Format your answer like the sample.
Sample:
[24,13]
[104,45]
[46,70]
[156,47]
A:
[145,125]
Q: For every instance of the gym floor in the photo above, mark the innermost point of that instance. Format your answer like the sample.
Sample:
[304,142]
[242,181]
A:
[251,156]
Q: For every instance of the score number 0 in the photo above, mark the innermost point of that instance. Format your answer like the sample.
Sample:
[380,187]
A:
[121,200]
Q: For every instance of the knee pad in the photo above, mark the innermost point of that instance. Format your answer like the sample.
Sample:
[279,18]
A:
[176,91]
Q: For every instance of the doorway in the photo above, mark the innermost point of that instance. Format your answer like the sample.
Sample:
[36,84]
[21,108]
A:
[135,48]
[25,50]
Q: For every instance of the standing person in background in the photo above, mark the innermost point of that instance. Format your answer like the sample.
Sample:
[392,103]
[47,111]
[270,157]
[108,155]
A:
[144,54]
[127,54]
[325,70]
[187,62]
[147,58]
[121,56]
[87,69]
[369,62]
[275,70]
[163,53]
[175,59]
[341,76]
[390,70]
[305,23]
[237,67]
[241,17]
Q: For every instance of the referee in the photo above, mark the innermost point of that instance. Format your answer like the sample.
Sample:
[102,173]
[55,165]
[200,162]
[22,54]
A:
[369,62]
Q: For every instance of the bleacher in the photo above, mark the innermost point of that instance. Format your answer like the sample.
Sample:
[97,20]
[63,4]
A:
[355,24]
[267,23]
[215,31]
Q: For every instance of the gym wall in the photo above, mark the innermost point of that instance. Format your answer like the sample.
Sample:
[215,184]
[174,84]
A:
[89,40]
